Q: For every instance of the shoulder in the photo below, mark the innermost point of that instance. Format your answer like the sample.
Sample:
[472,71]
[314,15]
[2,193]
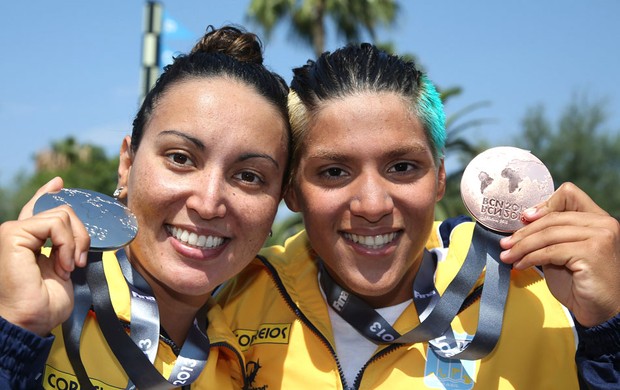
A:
[276,262]
[442,234]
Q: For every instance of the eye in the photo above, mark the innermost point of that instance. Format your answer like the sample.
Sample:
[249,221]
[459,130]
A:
[249,177]
[180,159]
[402,167]
[333,173]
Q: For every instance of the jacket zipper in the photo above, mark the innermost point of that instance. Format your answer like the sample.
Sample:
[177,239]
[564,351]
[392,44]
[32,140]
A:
[302,317]
[239,358]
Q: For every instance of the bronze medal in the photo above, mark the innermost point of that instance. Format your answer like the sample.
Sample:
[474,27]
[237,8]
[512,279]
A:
[500,183]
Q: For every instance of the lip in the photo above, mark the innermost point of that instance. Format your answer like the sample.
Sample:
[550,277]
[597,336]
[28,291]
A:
[194,244]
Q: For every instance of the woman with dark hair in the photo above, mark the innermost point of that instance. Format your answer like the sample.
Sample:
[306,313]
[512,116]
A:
[202,172]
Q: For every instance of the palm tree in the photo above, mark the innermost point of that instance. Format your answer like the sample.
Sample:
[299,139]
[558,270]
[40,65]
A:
[308,18]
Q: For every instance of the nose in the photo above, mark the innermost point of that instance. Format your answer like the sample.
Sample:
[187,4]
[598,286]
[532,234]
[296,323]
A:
[372,200]
[208,195]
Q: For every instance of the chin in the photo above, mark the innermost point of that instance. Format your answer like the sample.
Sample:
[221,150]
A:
[192,284]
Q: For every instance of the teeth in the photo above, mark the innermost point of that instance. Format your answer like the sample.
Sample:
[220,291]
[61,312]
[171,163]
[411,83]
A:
[193,239]
[373,242]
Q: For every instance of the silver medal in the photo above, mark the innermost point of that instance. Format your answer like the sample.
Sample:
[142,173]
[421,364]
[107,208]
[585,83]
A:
[110,224]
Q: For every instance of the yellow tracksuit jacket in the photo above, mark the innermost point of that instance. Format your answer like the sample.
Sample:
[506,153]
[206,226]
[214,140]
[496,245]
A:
[281,320]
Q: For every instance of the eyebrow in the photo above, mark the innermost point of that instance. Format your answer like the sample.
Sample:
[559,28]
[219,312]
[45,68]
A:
[403,150]
[199,144]
[247,156]
[395,153]
[328,155]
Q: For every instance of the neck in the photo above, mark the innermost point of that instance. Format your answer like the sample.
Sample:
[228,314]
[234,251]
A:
[399,292]
[177,315]
[392,298]
[176,311]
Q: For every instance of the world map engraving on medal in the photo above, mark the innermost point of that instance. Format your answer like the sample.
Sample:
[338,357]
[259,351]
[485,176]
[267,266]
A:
[513,177]
[500,183]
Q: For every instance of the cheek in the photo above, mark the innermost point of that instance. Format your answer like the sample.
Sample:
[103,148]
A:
[320,207]
[426,191]
[322,218]
[257,212]
[150,195]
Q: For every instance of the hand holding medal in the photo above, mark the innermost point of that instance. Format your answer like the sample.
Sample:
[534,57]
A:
[36,291]
[578,246]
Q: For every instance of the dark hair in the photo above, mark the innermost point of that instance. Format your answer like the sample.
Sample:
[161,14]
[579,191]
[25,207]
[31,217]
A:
[359,68]
[228,51]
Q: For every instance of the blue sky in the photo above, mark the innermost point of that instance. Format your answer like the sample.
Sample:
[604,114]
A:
[73,67]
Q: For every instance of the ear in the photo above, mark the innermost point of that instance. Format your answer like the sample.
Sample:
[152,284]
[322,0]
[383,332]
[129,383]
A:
[125,162]
[290,198]
[441,181]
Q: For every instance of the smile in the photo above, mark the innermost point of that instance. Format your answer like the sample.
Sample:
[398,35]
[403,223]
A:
[193,239]
[373,242]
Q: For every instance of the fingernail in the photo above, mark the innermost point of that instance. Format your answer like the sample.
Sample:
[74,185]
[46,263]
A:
[82,260]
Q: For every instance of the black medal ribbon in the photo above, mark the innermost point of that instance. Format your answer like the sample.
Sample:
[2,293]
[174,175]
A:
[135,363]
[90,285]
[484,246]
[72,327]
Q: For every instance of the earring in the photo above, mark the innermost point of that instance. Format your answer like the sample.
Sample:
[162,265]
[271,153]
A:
[117,192]
[270,233]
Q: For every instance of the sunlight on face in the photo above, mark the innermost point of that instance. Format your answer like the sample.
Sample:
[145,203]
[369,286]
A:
[205,183]
[367,186]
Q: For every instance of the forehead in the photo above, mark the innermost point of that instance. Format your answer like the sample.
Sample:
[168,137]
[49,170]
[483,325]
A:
[217,103]
[220,112]
[368,119]
[209,94]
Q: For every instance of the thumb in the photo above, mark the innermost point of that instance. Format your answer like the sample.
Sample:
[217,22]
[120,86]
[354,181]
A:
[568,197]
[53,185]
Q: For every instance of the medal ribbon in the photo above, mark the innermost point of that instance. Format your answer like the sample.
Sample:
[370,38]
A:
[436,313]
[136,352]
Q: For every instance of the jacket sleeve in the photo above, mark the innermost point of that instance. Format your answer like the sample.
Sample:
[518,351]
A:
[598,355]
[22,357]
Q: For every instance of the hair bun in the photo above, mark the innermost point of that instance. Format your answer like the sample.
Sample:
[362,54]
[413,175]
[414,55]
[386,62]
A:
[232,41]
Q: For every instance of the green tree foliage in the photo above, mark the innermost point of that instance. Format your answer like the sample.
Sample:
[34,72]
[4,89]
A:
[287,225]
[5,205]
[579,149]
[307,18]
[87,167]
[459,147]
